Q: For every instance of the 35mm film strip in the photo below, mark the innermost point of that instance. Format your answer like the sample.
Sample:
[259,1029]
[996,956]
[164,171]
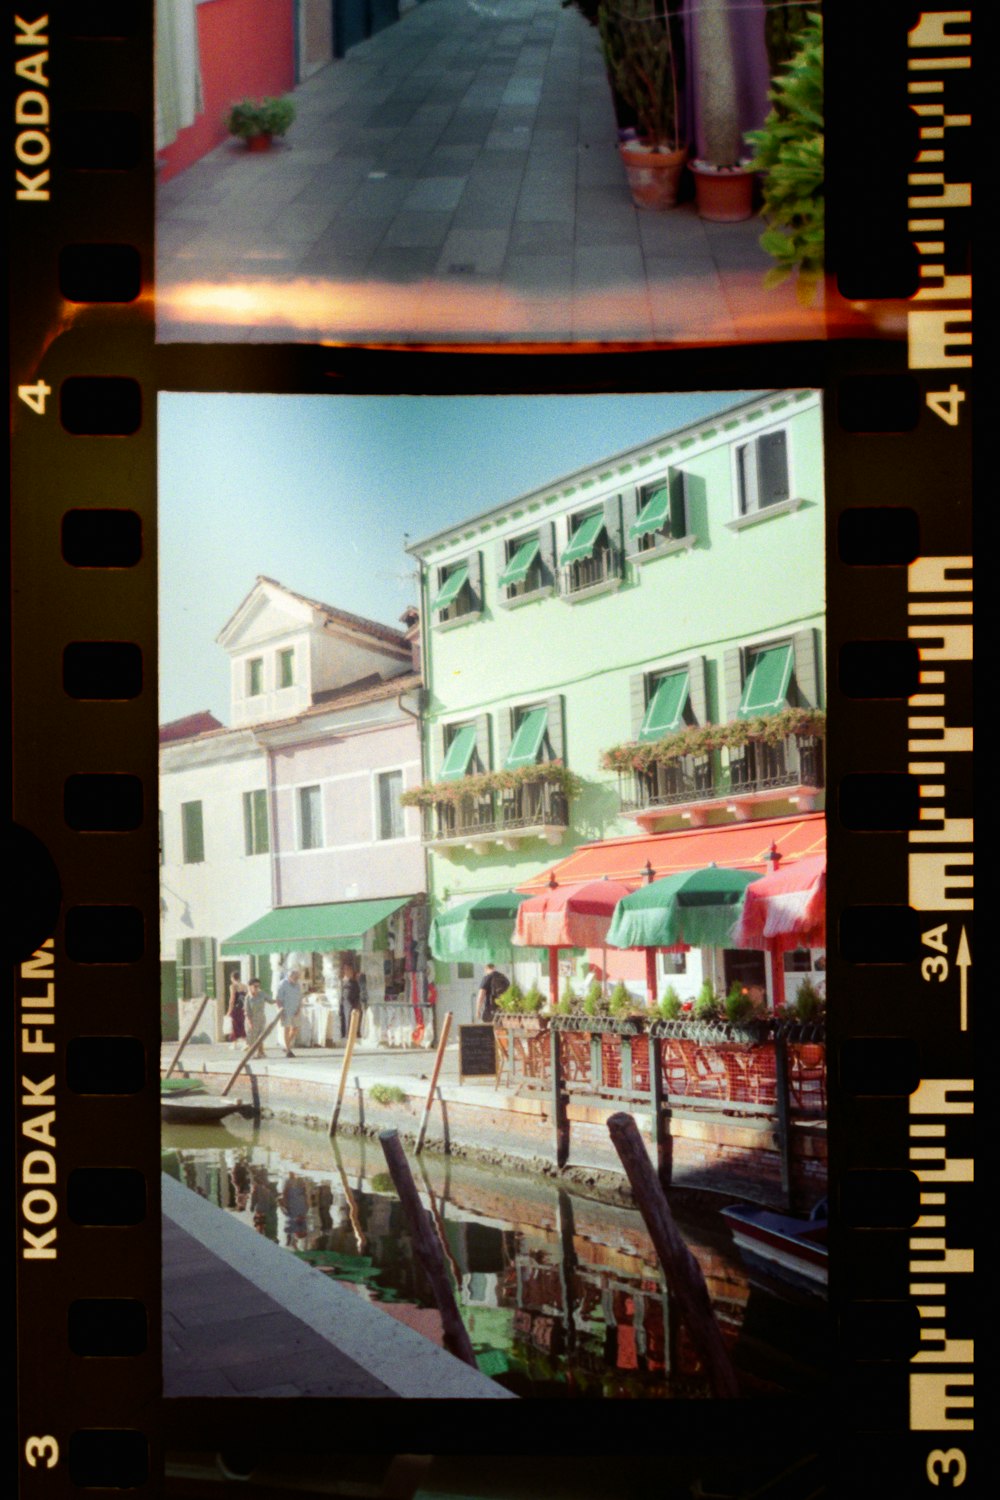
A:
[86,373]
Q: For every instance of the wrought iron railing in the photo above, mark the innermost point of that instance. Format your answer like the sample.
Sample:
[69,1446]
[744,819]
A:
[794,761]
[756,767]
[601,566]
[507,810]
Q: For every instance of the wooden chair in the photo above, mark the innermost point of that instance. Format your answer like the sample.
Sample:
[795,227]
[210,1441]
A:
[807,1076]
[574,1047]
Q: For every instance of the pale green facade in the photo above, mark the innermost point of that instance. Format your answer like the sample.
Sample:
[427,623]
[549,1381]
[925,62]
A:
[739,567]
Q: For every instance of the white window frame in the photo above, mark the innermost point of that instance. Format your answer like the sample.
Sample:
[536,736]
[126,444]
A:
[515,593]
[446,619]
[380,837]
[300,844]
[285,653]
[251,662]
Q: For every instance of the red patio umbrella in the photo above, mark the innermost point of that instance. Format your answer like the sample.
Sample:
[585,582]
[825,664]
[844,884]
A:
[784,910]
[568,916]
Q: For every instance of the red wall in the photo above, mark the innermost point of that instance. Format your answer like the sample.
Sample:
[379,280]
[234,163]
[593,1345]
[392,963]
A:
[247,51]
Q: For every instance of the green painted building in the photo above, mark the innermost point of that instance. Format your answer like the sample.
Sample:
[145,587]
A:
[599,624]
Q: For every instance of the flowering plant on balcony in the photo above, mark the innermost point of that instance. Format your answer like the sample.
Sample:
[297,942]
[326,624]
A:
[702,739]
[482,783]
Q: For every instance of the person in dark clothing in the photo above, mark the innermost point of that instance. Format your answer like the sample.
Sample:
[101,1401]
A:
[350,997]
[494,983]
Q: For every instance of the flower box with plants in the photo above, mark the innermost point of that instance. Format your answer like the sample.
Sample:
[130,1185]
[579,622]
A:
[789,152]
[258,121]
[521,1010]
[702,739]
[484,783]
[639,51]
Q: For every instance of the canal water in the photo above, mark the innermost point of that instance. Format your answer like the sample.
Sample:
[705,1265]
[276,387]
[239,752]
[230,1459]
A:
[561,1293]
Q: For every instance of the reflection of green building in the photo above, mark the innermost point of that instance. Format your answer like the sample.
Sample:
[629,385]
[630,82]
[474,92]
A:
[672,587]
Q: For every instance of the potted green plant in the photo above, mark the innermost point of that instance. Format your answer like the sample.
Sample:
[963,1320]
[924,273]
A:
[258,121]
[788,150]
[670,1004]
[706,1005]
[639,53]
[723,176]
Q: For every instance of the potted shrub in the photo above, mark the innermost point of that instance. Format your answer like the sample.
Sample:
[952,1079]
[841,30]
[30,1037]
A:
[723,176]
[670,1008]
[738,1004]
[789,152]
[258,121]
[639,53]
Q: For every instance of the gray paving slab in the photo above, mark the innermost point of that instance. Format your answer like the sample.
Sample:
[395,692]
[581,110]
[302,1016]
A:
[466,142]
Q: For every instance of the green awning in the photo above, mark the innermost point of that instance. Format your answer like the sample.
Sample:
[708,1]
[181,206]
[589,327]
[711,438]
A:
[516,570]
[456,762]
[697,907]
[312,929]
[654,513]
[528,739]
[766,689]
[666,707]
[584,539]
[451,587]
[477,931]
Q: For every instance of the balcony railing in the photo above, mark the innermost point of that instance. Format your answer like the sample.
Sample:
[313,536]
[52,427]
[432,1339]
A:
[755,769]
[601,568]
[510,811]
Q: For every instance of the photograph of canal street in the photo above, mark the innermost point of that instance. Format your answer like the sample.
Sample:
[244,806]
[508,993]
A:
[492,899]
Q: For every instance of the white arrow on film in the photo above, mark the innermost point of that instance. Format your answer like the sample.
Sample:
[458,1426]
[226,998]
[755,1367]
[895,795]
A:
[963,959]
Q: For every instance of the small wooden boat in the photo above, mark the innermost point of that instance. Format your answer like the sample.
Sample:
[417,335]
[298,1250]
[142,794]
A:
[781,1245]
[175,1088]
[199,1109]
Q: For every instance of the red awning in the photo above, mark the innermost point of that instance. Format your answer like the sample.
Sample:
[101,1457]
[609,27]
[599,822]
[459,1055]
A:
[736,846]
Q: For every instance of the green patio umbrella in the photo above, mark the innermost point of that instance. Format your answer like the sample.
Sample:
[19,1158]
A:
[477,931]
[697,907]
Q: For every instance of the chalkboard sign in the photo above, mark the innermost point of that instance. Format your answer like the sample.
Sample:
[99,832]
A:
[477,1052]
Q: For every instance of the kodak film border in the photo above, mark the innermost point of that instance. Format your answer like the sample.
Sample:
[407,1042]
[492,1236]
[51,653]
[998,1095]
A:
[899,1417]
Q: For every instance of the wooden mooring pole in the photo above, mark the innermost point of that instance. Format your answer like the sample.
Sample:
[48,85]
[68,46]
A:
[428,1248]
[439,1059]
[560,1116]
[683,1273]
[352,1036]
[249,1053]
[187,1036]
[784,1122]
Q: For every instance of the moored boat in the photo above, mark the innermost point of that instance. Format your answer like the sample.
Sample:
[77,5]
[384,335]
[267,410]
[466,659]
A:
[782,1245]
[199,1109]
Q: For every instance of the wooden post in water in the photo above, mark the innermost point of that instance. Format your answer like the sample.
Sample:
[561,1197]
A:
[187,1036]
[425,1242]
[560,1116]
[249,1053]
[352,1034]
[661,1117]
[683,1273]
[783,1112]
[439,1059]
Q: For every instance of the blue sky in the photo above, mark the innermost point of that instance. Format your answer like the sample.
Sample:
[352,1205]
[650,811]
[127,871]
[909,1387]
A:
[318,491]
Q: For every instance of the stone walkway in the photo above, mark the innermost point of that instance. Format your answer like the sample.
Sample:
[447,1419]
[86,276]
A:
[454,179]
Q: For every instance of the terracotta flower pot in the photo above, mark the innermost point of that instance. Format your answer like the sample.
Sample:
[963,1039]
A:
[724,195]
[260,142]
[653,173]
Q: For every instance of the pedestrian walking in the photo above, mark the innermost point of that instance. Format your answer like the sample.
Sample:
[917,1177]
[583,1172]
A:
[494,983]
[256,1008]
[236,1011]
[350,997]
[289,997]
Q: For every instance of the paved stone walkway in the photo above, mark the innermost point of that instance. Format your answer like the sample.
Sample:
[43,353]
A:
[454,179]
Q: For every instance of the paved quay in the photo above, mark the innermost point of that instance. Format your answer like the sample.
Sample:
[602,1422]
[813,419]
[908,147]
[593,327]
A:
[242,1317]
[454,179]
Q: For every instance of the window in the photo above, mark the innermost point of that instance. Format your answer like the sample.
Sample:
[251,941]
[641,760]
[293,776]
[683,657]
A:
[523,573]
[390,809]
[767,681]
[286,667]
[662,513]
[256,838]
[588,561]
[667,699]
[310,818]
[192,833]
[762,472]
[530,736]
[460,747]
[465,971]
[255,677]
[459,589]
[195,968]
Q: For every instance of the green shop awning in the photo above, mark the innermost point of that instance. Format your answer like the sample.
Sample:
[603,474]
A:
[477,931]
[584,539]
[528,739]
[766,689]
[456,762]
[666,707]
[312,929]
[516,570]
[451,587]
[654,513]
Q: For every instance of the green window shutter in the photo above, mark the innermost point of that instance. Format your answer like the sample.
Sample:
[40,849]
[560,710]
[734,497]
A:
[678,504]
[766,688]
[210,967]
[286,668]
[456,761]
[180,967]
[666,707]
[261,830]
[451,587]
[584,539]
[516,570]
[528,739]
[248,822]
[193,833]
[655,510]
[556,726]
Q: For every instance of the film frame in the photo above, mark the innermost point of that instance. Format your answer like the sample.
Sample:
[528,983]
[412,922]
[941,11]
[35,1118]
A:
[84,491]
